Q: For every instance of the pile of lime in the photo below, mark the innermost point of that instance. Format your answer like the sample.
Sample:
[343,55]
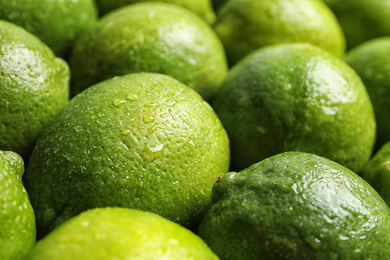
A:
[209,129]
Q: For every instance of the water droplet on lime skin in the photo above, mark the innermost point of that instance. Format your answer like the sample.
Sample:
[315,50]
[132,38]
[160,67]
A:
[78,129]
[67,157]
[148,119]
[118,102]
[125,132]
[151,153]
[132,97]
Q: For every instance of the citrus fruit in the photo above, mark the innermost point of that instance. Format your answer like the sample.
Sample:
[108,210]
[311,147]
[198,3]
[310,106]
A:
[203,8]
[34,87]
[143,141]
[150,37]
[17,220]
[377,172]
[119,233]
[296,205]
[246,25]
[371,61]
[296,97]
[56,22]
[361,20]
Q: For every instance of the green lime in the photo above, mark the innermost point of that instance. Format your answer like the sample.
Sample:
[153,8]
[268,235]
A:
[296,97]
[143,141]
[34,87]
[56,22]
[371,60]
[150,37]
[296,205]
[17,220]
[246,25]
[120,234]
[377,172]
[203,8]
[361,20]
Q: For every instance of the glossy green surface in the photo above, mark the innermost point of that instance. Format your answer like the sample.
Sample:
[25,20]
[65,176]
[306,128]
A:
[34,86]
[150,37]
[377,172]
[246,25]
[120,234]
[296,97]
[296,206]
[361,20]
[17,220]
[202,8]
[141,141]
[371,60]
[56,22]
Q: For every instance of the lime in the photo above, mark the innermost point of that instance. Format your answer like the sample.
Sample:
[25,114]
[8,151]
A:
[203,8]
[143,141]
[361,20]
[119,233]
[371,61]
[296,205]
[296,97]
[34,87]
[377,172]
[17,220]
[246,25]
[56,22]
[150,37]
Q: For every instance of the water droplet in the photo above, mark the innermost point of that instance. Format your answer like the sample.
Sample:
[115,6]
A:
[328,110]
[151,130]
[148,119]
[78,129]
[118,102]
[125,132]
[152,152]
[67,157]
[156,148]
[100,123]
[342,237]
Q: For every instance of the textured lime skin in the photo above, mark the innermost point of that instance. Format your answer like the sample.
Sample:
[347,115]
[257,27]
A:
[17,220]
[34,87]
[202,8]
[121,234]
[371,61]
[141,141]
[296,97]
[246,25]
[377,172]
[361,20]
[150,37]
[56,22]
[296,205]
